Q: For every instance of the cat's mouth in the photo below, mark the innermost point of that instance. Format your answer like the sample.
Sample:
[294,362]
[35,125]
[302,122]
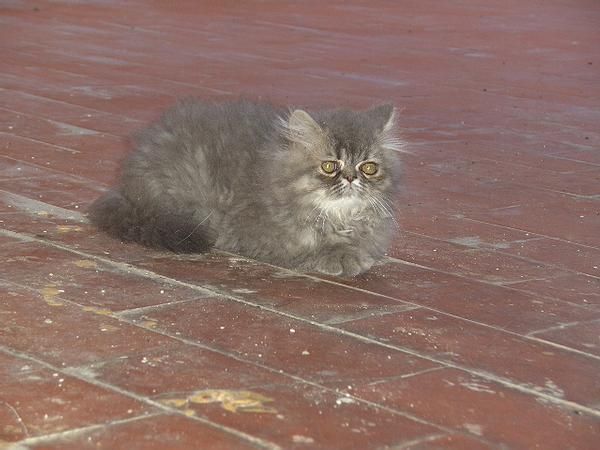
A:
[349,189]
[349,195]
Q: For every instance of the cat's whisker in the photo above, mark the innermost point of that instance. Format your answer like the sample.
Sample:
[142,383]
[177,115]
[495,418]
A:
[388,211]
[380,205]
[195,228]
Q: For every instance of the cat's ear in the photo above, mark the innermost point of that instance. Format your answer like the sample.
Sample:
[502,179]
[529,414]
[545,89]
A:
[384,117]
[302,121]
[386,129]
[301,128]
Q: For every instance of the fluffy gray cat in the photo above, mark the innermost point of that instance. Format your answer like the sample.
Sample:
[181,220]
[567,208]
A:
[311,192]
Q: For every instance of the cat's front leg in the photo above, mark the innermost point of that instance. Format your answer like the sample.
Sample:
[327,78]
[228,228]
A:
[346,262]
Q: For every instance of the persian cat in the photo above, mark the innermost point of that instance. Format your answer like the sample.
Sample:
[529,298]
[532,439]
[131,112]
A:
[307,191]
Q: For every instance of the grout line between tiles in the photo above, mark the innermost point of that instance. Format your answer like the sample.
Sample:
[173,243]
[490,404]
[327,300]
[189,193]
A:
[573,159]
[561,326]
[36,206]
[554,238]
[73,432]
[406,375]
[512,255]
[372,314]
[158,306]
[480,373]
[69,176]
[556,191]
[506,285]
[59,123]
[564,347]
[138,76]
[61,148]
[422,440]
[85,108]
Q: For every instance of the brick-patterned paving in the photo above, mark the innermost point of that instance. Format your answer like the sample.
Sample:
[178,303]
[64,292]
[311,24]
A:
[481,329]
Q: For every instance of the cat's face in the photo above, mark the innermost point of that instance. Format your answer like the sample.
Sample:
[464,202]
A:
[344,162]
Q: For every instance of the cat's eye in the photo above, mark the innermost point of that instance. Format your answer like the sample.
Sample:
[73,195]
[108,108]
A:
[369,168]
[329,166]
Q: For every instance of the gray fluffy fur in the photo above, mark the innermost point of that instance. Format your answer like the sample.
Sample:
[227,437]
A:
[246,177]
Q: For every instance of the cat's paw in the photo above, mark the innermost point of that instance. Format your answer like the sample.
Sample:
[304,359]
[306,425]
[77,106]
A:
[344,264]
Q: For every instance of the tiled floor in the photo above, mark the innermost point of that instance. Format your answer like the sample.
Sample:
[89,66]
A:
[481,330]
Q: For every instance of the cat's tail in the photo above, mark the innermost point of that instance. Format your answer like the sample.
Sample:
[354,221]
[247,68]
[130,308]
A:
[180,233]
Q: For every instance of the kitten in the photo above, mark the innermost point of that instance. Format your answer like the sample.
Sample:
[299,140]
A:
[311,192]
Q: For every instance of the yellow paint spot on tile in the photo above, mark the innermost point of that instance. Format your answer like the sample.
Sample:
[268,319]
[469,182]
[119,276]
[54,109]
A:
[235,401]
[100,311]
[230,400]
[175,402]
[68,228]
[86,264]
[49,294]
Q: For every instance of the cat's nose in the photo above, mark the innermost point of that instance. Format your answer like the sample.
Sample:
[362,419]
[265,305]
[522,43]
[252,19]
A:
[349,178]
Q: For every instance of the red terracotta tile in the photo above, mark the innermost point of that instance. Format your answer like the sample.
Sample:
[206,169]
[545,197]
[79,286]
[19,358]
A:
[291,345]
[542,368]
[478,149]
[23,102]
[141,101]
[100,167]
[151,433]
[448,442]
[564,217]
[584,336]
[180,367]
[489,304]
[66,227]
[46,186]
[503,203]
[37,401]
[44,326]
[485,265]
[22,208]
[574,288]
[69,140]
[491,411]
[457,230]
[580,182]
[86,281]
[562,254]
